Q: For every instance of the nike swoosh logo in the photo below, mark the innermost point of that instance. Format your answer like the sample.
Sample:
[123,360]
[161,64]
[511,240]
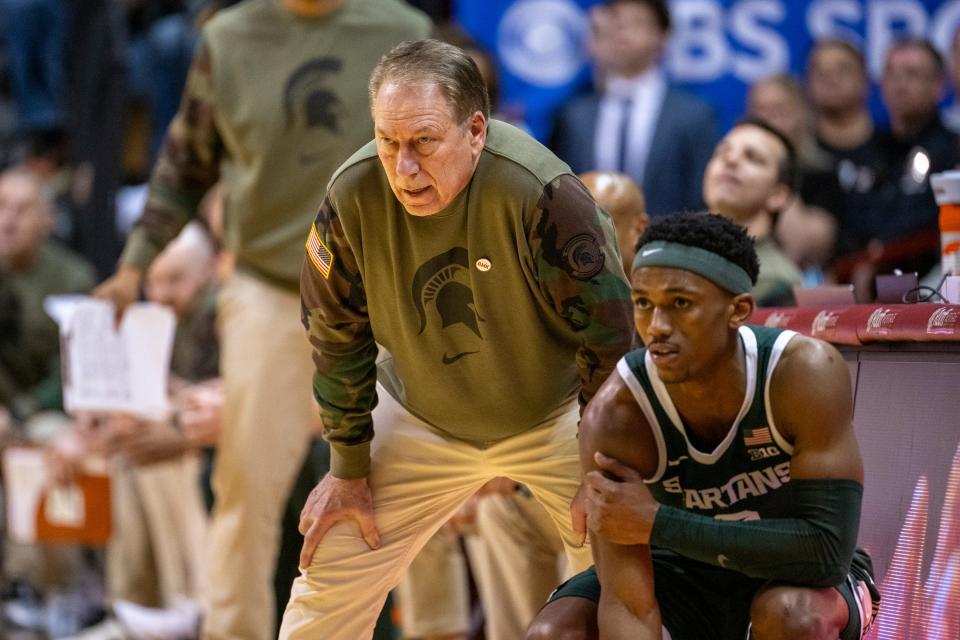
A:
[451,359]
[650,252]
[673,463]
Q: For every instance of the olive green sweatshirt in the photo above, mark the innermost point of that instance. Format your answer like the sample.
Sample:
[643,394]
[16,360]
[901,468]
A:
[495,312]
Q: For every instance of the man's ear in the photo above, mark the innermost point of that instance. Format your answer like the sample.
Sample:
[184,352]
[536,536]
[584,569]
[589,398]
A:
[476,134]
[741,308]
[778,201]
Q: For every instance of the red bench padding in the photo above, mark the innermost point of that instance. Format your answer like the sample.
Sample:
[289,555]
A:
[866,323]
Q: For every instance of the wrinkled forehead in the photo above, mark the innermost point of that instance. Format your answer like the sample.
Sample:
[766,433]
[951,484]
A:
[412,106]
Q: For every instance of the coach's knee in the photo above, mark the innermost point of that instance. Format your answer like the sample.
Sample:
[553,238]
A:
[789,614]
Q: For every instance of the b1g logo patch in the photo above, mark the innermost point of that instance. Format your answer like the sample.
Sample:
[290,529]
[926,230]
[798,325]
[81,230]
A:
[582,256]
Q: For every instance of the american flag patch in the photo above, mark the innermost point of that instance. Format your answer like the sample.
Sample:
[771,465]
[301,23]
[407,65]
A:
[757,437]
[320,255]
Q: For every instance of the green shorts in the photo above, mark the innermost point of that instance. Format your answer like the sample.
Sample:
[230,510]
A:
[702,602]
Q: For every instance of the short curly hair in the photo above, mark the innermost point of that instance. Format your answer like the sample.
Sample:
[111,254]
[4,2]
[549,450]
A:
[708,231]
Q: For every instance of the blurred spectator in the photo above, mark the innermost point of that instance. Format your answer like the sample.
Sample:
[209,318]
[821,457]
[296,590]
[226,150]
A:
[154,556]
[35,34]
[807,228]
[838,86]
[182,278]
[32,267]
[891,218]
[275,141]
[635,123]
[749,180]
[951,113]
[619,195]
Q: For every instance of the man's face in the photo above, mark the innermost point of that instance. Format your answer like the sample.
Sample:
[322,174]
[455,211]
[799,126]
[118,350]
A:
[835,80]
[683,319]
[625,37]
[741,179]
[776,104]
[428,156]
[24,220]
[176,279]
[911,84]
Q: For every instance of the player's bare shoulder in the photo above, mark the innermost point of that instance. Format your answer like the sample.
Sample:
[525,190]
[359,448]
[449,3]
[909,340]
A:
[810,361]
[811,381]
[614,424]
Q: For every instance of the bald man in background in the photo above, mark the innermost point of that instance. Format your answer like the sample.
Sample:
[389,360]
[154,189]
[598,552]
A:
[619,195]
[155,559]
[516,554]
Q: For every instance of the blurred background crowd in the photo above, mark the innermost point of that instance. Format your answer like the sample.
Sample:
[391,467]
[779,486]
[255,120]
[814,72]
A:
[88,90]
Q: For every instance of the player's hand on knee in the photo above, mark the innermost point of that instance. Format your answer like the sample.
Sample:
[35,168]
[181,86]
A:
[336,500]
[619,505]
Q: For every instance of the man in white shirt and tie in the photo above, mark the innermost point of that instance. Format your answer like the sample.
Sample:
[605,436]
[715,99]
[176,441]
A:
[636,123]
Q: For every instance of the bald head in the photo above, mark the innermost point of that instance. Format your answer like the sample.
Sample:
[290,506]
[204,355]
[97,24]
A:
[179,274]
[620,196]
[26,218]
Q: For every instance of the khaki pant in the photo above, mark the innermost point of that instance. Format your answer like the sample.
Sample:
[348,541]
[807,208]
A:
[517,560]
[434,594]
[419,478]
[154,556]
[269,417]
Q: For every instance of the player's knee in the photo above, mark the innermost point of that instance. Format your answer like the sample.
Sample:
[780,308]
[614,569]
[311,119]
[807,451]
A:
[565,619]
[788,615]
[554,630]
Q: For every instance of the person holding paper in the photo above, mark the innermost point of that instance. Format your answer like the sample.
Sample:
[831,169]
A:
[154,557]
[32,267]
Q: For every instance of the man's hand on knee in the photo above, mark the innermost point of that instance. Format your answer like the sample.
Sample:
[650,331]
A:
[336,500]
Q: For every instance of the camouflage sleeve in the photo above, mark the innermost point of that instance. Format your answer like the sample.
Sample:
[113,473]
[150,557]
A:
[578,264]
[188,165]
[334,309]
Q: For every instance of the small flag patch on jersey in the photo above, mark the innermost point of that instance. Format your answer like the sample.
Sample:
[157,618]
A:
[756,437]
[320,254]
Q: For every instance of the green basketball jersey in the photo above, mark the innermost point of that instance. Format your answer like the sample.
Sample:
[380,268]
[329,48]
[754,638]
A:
[743,476]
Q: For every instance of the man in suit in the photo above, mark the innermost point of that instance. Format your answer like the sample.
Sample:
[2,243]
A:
[635,123]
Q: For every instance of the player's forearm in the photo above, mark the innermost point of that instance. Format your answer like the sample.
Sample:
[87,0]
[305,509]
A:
[813,548]
[628,608]
[618,622]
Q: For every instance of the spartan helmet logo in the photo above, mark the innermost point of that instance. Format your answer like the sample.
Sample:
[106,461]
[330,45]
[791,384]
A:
[436,282]
[307,101]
